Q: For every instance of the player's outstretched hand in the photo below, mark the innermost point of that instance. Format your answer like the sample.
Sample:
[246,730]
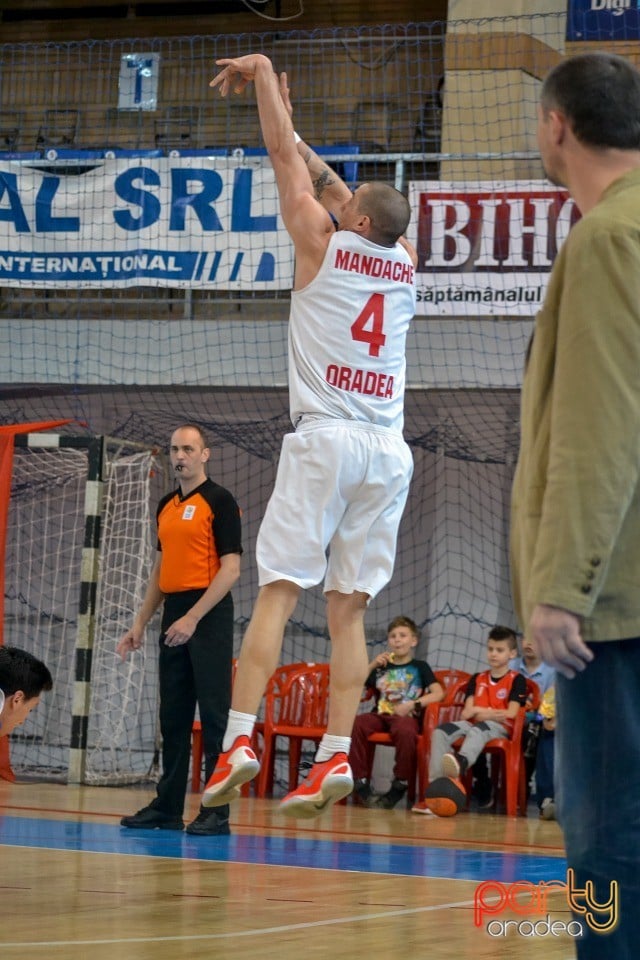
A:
[238,72]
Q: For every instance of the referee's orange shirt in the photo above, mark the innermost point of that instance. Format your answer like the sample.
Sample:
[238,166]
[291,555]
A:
[193,533]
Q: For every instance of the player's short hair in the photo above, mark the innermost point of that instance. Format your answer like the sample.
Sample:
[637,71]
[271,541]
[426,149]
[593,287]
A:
[20,670]
[504,633]
[599,93]
[198,429]
[404,622]
[387,209]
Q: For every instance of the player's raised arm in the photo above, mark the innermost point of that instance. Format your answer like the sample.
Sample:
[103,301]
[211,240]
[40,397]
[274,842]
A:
[306,220]
[330,190]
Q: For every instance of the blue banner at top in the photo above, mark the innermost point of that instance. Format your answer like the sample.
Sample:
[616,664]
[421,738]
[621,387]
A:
[603,20]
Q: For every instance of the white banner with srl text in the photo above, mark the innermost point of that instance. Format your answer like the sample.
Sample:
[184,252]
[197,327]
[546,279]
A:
[198,222]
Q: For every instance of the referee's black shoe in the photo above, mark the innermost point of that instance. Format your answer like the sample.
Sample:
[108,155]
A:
[150,818]
[211,822]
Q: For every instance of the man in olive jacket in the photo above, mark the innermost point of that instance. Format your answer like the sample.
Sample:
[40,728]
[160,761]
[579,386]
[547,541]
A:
[575,539]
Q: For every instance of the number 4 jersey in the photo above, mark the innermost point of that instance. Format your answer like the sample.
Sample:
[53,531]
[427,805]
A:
[348,331]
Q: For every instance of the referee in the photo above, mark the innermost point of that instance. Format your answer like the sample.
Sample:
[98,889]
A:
[197,564]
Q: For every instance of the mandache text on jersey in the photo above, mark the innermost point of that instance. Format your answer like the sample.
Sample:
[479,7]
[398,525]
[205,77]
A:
[373,266]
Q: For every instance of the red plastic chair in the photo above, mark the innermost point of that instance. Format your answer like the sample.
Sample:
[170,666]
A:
[383,739]
[296,707]
[197,752]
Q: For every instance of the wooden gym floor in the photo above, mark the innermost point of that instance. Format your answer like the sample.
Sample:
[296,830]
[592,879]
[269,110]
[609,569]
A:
[353,884]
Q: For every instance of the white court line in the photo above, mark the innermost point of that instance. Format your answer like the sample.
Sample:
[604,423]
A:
[288,928]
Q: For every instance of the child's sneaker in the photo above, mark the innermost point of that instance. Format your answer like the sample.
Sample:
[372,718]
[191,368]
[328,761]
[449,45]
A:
[486,801]
[548,809]
[393,795]
[421,807]
[363,793]
[454,765]
[234,767]
[327,782]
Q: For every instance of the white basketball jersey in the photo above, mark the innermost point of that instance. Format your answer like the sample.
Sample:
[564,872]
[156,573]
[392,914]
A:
[347,334]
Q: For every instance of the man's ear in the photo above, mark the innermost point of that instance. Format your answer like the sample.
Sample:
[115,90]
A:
[16,699]
[558,124]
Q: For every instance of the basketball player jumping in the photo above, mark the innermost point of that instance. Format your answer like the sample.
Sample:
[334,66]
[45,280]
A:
[344,474]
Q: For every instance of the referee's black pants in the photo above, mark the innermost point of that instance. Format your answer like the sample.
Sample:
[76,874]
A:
[198,671]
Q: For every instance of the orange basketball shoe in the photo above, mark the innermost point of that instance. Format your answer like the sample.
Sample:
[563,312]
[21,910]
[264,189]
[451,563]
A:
[235,766]
[327,782]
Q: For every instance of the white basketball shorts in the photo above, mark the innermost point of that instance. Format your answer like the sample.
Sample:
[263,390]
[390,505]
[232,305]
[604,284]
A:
[341,487]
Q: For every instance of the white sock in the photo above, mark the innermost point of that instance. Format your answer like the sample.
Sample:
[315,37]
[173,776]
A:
[330,745]
[237,725]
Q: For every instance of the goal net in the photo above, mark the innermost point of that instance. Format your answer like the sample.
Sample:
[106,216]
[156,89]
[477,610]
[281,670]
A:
[43,575]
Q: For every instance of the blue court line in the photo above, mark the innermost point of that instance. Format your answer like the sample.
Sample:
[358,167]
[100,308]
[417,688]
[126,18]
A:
[375,857]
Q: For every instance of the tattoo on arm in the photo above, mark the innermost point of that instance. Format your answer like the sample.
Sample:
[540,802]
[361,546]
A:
[322,182]
[325,178]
